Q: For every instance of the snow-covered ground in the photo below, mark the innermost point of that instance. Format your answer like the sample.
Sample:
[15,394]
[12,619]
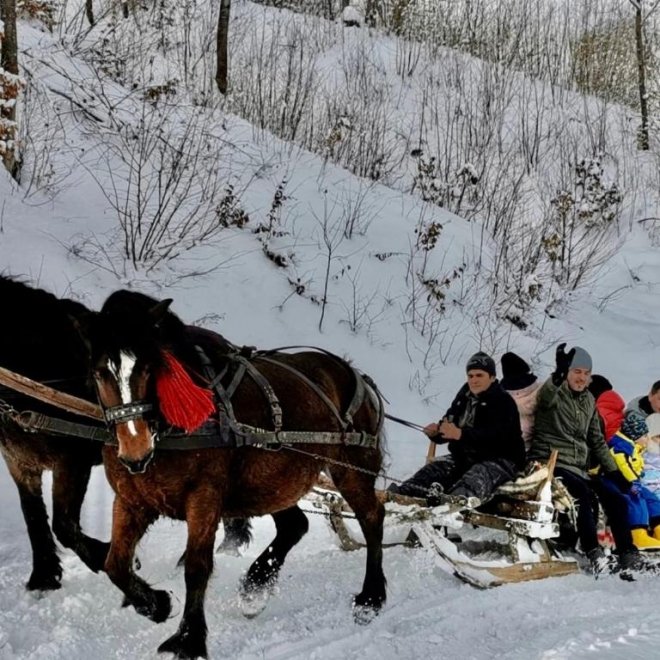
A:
[62,239]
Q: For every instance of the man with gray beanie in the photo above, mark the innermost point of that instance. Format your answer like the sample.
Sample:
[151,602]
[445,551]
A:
[482,429]
[566,419]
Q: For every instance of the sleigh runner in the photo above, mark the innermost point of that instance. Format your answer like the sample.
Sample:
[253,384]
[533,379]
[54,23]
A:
[509,539]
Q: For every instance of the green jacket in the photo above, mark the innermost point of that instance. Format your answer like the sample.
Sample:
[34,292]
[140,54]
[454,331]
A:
[568,421]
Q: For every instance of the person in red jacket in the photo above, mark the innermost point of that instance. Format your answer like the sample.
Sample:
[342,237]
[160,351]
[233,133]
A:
[609,404]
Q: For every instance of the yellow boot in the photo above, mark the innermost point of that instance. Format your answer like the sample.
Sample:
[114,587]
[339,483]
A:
[643,541]
[656,532]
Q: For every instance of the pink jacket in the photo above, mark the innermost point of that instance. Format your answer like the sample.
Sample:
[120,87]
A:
[526,402]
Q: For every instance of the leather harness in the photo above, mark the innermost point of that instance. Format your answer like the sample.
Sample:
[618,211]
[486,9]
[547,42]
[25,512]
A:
[225,431]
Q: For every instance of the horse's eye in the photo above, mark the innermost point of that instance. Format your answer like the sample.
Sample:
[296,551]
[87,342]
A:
[101,373]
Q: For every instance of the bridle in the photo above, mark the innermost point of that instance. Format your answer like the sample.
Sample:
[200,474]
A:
[126,412]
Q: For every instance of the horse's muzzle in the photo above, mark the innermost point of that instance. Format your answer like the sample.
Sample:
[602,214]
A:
[139,466]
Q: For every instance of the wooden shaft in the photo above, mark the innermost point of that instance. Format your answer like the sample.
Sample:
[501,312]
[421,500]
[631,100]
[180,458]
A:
[47,394]
[430,454]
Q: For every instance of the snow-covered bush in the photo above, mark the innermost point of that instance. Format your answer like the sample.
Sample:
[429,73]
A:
[44,11]
[167,189]
[581,222]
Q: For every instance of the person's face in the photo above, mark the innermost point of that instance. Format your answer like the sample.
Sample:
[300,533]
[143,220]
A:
[654,400]
[578,379]
[479,380]
[653,444]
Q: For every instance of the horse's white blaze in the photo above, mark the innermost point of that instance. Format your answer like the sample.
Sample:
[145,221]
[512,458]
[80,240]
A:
[122,373]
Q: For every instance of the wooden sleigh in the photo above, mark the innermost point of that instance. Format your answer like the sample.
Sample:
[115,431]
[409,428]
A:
[507,540]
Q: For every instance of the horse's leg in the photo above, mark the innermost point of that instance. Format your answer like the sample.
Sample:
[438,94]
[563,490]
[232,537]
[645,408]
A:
[129,523]
[238,532]
[357,489]
[291,525]
[202,518]
[46,567]
[69,487]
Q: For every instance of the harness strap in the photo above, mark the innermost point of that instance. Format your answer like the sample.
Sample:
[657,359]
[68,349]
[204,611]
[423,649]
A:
[35,422]
[358,397]
[256,437]
[261,381]
[236,380]
[225,435]
[270,351]
[313,386]
[215,381]
[359,392]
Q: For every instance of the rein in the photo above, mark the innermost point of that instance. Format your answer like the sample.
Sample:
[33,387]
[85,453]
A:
[404,422]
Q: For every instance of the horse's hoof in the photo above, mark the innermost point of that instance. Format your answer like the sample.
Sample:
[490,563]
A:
[185,645]
[229,549]
[366,609]
[97,556]
[364,614]
[254,603]
[253,599]
[44,582]
[158,609]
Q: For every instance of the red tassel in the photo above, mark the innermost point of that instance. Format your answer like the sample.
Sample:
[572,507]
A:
[182,403]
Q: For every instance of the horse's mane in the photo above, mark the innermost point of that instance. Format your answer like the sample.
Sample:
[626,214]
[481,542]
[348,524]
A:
[127,322]
[15,294]
[38,337]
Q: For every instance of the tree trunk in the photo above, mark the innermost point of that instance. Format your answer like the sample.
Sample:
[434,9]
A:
[9,61]
[9,64]
[222,49]
[89,11]
[643,139]
[370,13]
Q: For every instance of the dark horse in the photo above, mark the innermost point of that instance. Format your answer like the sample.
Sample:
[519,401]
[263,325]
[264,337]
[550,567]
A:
[38,339]
[132,343]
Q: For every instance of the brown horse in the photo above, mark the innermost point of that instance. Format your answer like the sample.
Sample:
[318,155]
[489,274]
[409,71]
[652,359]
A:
[38,339]
[137,349]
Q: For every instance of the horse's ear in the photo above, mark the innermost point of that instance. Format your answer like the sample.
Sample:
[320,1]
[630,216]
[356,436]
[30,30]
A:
[158,311]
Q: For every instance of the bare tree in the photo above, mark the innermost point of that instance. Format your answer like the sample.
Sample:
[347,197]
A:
[222,52]
[9,86]
[89,11]
[641,75]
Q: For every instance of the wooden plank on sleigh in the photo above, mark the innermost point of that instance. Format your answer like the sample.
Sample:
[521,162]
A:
[486,574]
[530,528]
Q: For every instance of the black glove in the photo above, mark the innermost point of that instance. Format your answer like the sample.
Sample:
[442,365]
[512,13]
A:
[619,481]
[563,362]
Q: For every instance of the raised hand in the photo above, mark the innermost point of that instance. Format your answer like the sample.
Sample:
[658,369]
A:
[562,363]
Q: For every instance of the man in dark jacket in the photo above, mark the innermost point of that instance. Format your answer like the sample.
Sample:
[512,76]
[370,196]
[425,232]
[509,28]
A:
[566,419]
[482,429]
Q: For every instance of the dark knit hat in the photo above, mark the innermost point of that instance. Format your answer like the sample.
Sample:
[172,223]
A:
[516,374]
[598,385]
[581,359]
[481,361]
[634,426]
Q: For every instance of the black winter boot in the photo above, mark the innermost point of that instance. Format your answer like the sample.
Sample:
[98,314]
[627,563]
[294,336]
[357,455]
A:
[601,564]
[632,565]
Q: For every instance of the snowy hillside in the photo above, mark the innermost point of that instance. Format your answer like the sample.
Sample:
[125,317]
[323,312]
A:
[276,241]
